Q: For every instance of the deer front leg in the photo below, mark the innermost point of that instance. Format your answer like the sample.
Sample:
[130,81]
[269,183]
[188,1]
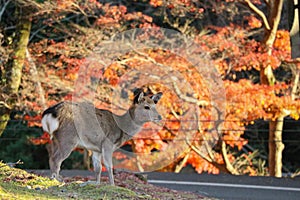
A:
[97,165]
[107,158]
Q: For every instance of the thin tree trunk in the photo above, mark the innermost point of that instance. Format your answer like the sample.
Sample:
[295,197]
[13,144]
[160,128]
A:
[267,78]
[266,74]
[228,165]
[4,117]
[293,17]
[13,71]
[182,163]
[294,23]
[295,85]
[275,144]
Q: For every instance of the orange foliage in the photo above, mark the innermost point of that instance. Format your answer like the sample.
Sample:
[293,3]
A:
[43,139]
[253,22]
[156,3]
[202,165]
[33,120]
[231,51]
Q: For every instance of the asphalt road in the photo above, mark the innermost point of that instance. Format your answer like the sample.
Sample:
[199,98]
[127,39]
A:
[225,187]
[230,187]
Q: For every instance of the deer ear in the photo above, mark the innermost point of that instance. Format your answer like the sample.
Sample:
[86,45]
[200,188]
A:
[138,98]
[156,97]
[141,96]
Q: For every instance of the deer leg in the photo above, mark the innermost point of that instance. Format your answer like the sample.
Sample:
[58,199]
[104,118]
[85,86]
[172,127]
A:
[97,165]
[107,158]
[54,166]
[58,152]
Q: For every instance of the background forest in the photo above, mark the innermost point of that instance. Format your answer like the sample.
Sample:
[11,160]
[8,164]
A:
[44,45]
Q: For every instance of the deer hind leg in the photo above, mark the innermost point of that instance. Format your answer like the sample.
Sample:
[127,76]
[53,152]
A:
[107,158]
[58,152]
[97,165]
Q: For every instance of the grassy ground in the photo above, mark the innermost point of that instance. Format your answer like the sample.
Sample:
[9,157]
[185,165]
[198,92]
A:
[19,184]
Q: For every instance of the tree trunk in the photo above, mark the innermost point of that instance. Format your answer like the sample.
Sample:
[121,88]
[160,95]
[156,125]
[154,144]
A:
[266,74]
[275,144]
[267,78]
[293,12]
[4,117]
[275,127]
[275,147]
[13,71]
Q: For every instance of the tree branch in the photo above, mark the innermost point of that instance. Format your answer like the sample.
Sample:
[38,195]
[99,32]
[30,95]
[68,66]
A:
[229,166]
[3,9]
[194,148]
[259,13]
[295,85]
[5,105]
[179,167]
[187,98]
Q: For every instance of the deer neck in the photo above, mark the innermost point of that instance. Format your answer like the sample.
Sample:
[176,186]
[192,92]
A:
[128,124]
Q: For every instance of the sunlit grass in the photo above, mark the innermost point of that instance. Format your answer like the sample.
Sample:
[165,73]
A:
[19,184]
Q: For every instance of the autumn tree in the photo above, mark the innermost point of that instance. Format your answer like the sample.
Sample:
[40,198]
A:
[271,20]
[264,57]
[11,70]
[65,35]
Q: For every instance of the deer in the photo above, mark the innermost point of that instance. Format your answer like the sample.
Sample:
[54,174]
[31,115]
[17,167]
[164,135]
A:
[72,124]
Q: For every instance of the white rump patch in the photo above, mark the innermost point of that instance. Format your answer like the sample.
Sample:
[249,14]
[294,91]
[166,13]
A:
[50,124]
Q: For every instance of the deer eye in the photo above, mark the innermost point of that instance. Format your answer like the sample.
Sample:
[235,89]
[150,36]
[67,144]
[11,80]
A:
[147,107]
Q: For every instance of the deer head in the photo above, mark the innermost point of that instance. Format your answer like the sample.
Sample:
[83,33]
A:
[144,108]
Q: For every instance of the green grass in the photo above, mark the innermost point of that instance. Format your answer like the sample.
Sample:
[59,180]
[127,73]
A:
[19,184]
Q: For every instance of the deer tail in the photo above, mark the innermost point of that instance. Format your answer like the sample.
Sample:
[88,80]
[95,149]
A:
[50,124]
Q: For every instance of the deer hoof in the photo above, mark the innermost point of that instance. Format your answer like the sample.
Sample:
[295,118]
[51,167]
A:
[57,177]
